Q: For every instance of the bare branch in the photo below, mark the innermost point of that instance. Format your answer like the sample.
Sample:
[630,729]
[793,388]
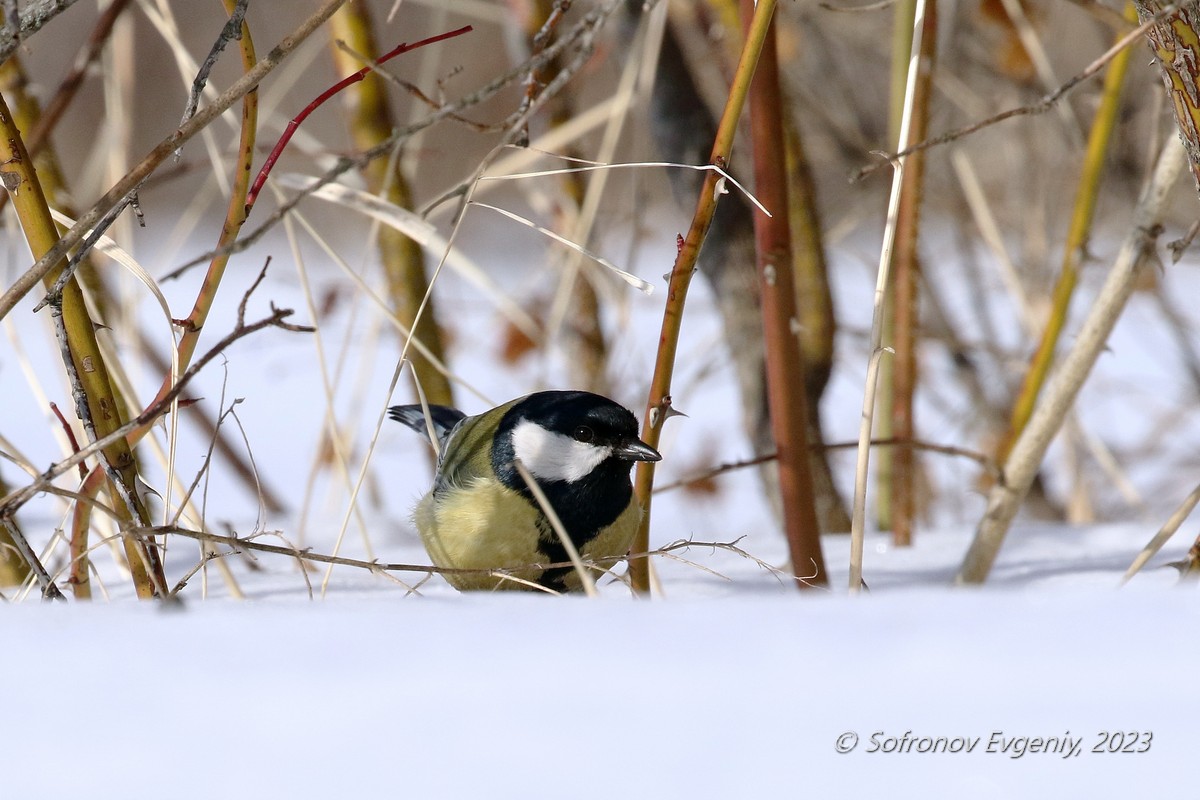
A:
[1041,106]
[275,320]
[37,14]
[25,283]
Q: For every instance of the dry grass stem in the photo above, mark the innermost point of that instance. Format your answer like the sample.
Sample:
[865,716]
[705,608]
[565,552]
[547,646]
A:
[1043,105]
[1029,449]
[585,577]
[859,513]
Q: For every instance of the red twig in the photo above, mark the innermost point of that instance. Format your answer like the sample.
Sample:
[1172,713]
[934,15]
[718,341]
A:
[83,473]
[276,151]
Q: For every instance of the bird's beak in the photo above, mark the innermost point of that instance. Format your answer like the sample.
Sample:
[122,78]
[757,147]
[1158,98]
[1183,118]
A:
[636,450]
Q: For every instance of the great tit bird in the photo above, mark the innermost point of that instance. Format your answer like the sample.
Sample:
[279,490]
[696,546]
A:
[480,514]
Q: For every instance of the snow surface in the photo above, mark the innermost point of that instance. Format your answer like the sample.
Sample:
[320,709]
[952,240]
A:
[736,688]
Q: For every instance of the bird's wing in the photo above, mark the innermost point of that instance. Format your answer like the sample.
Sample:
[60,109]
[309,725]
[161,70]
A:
[466,453]
[442,418]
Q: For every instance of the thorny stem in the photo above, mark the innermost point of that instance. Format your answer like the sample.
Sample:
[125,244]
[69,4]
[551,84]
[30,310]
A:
[658,404]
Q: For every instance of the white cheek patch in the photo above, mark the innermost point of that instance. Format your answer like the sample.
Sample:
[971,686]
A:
[552,456]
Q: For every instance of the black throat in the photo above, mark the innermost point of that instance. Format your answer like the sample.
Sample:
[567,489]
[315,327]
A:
[585,507]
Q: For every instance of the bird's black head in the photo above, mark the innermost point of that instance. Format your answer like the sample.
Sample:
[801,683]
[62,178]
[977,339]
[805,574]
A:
[566,436]
[580,447]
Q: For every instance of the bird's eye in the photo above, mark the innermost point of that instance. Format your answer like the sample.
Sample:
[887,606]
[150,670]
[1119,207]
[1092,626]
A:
[583,434]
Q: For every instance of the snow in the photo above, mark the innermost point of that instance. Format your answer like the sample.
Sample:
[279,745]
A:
[736,688]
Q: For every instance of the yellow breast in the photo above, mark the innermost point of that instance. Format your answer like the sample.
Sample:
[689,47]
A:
[485,525]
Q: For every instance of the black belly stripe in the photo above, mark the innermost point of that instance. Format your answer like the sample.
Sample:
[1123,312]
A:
[551,547]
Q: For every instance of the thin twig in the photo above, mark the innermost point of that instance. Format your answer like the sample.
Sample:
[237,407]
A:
[1041,106]
[378,567]
[231,31]
[53,112]
[161,152]
[985,461]
[276,319]
[537,47]
[70,434]
[581,32]
[320,100]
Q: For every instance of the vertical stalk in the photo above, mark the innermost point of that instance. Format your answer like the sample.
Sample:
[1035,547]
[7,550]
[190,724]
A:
[815,312]
[658,405]
[1077,239]
[372,122]
[97,406]
[903,14]
[905,311]
[786,395]
[858,518]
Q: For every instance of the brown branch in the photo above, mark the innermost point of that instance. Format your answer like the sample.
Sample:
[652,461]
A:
[52,114]
[985,461]
[784,361]
[377,567]
[15,500]
[159,154]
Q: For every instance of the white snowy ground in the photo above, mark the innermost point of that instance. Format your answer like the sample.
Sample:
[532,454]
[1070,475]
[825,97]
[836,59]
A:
[739,688]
